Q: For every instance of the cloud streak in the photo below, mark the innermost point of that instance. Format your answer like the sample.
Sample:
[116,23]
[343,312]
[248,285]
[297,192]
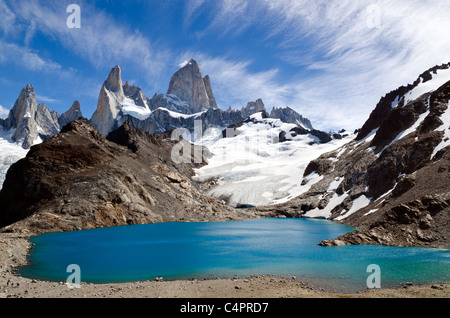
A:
[100,40]
[349,63]
[331,66]
[26,58]
[3,112]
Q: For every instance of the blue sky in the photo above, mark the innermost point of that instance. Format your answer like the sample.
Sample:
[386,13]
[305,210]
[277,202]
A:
[329,60]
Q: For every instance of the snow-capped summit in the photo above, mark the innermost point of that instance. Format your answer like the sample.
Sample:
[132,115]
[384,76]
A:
[291,116]
[32,122]
[28,124]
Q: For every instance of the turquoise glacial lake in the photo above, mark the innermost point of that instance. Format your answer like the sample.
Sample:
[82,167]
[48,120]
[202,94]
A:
[283,247]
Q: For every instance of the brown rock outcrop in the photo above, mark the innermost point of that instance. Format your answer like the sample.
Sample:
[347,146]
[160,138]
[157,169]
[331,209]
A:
[79,179]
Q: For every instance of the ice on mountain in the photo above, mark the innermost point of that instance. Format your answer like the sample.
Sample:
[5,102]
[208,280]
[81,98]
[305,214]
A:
[130,108]
[242,162]
[446,125]
[10,154]
[358,204]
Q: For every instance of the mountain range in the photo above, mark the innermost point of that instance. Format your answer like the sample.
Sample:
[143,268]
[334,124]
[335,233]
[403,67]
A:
[392,180]
[189,98]
[389,179]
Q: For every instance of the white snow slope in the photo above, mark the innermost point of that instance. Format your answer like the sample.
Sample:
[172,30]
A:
[253,168]
[10,153]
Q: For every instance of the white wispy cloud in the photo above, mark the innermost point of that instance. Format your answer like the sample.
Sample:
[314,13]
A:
[354,63]
[100,40]
[7,18]
[26,58]
[3,112]
[46,99]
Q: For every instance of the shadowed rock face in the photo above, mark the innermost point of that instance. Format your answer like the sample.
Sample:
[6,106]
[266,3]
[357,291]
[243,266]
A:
[72,114]
[385,105]
[79,179]
[189,85]
[399,170]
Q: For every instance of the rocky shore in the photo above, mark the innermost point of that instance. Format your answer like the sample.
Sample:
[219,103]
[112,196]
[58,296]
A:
[14,249]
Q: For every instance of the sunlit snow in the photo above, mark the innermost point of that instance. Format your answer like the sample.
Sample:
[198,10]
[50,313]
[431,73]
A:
[446,128]
[129,107]
[10,153]
[358,203]
[439,79]
[254,168]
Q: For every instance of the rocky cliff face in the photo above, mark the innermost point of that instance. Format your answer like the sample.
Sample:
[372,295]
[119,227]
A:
[189,85]
[209,92]
[253,108]
[33,122]
[72,114]
[391,182]
[79,179]
[109,102]
[289,115]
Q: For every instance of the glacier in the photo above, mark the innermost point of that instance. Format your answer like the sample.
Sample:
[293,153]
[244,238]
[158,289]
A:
[253,168]
[10,154]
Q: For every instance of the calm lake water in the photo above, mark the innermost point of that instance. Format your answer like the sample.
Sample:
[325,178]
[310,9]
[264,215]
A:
[208,250]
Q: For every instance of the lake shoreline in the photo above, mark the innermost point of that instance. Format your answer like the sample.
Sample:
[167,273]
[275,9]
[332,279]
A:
[14,251]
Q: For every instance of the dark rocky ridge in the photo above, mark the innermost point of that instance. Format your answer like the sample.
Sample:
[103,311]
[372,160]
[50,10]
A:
[384,106]
[416,213]
[407,185]
[78,179]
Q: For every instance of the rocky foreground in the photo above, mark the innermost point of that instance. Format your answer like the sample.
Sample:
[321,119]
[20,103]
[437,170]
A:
[79,179]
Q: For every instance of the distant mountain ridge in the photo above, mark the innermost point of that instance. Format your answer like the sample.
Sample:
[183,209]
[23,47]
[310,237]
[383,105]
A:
[32,122]
[189,97]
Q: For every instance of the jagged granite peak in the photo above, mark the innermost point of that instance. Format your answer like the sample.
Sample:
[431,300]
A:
[126,86]
[114,80]
[32,122]
[189,85]
[254,107]
[289,115]
[209,92]
[109,102]
[26,102]
[72,114]
[135,93]
[131,90]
